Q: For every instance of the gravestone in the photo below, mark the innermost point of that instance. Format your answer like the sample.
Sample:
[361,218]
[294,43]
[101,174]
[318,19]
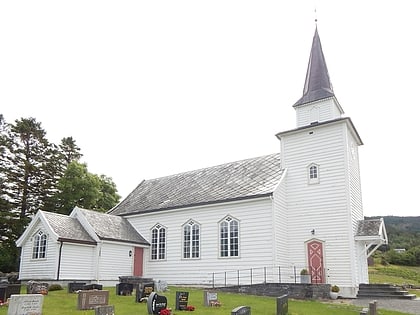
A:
[210,298]
[283,305]
[144,291]
[89,299]
[104,310]
[181,301]
[241,310]
[93,286]
[124,289]
[34,287]
[12,289]
[156,303]
[25,304]
[75,286]
[3,288]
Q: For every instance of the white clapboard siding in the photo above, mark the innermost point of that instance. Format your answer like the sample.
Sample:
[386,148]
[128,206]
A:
[281,223]
[325,110]
[77,262]
[44,268]
[323,207]
[115,261]
[256,246]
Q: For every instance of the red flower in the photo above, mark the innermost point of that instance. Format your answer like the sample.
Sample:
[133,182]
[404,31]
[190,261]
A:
[190,308]
[165,311]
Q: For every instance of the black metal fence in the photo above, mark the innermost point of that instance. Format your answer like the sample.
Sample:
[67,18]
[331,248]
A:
[277,274]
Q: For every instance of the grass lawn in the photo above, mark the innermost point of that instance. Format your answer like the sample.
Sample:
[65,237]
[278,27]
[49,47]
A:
[63,303]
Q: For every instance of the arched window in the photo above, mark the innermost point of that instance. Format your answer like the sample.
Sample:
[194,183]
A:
[39,249]
[158,242]
[191,240]
[313,173]
[229,237]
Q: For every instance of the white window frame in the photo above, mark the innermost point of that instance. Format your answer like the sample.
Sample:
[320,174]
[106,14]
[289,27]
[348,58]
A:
[229,239]
[313,177]
[158,237]
[191,235]
[39,245]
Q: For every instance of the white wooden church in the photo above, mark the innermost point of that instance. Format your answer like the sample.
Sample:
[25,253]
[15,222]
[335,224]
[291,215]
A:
[258,219]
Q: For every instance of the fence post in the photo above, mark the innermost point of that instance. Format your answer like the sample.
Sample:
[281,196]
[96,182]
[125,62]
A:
[225,279]
[294,271]
[265,274]
[238,277]
[279,274]
[213,281]
[251,275]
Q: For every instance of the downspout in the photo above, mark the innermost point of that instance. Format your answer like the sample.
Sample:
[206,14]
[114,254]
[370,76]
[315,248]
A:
[59,260]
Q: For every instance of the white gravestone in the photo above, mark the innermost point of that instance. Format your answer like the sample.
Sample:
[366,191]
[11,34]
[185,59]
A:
[25,304]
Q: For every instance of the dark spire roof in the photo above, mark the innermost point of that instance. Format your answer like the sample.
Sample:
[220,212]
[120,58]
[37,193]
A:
[317,82]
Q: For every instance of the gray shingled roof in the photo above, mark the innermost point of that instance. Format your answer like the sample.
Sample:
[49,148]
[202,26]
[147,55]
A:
[317,83]
[238,180]
[68,228]
[111,227]
[369,227]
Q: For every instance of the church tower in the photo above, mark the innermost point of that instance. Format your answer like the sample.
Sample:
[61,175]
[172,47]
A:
[323,190]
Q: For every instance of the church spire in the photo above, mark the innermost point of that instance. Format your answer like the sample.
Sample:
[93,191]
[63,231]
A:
[317,82]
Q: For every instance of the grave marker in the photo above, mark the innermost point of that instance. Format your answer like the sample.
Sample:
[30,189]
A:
[25,304]
[210,298]
[181,301]
[143,292]
[156,303]
[104,310]
[89,299]
[241,310]
[283,305]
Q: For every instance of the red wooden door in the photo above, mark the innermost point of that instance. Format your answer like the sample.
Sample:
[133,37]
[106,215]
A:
[138,262]
[316,261]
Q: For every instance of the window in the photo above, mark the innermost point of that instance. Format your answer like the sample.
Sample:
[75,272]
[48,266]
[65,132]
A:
[39,248]
[313,174]
[158,242]
[191,240]
[229,237]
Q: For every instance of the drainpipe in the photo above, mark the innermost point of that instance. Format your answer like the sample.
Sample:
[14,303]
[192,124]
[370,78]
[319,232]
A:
[59,260]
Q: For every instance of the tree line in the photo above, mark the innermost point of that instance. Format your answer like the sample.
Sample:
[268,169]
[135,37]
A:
[36,174]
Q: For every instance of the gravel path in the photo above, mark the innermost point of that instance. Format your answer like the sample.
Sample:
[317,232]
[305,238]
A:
[405,306]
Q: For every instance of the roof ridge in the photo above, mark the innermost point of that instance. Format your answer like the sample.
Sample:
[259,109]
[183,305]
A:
[213,166]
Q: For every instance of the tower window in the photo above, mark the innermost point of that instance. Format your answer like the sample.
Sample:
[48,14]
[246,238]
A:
[313,174]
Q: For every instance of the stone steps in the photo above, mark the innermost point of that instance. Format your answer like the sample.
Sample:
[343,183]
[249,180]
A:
[383,291]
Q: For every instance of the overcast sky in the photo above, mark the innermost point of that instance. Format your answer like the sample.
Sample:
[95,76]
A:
[154,88]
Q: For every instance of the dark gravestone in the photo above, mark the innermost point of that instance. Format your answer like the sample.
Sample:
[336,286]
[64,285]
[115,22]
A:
[3,293]
[241,310]
[104,310]
[156,303]
[75,286]
[283,305]
[144,291]
[181,301]
[94,286]
[12,289]
[87,300]
[124,289]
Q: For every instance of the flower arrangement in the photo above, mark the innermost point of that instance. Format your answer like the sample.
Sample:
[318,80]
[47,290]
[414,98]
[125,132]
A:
[304,272]
[165,311]
[190,308]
